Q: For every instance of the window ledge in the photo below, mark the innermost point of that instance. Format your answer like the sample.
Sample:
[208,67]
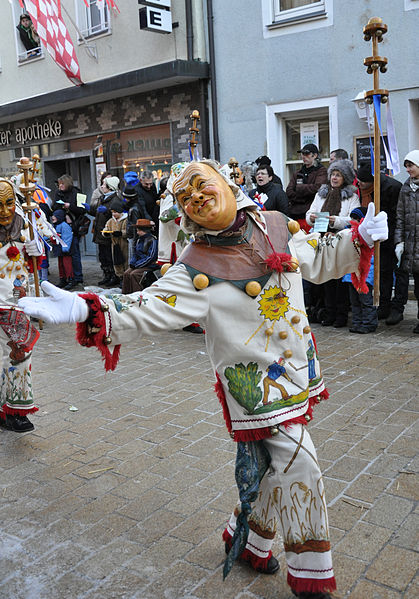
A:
[320,14]
[94,36]
[30,59]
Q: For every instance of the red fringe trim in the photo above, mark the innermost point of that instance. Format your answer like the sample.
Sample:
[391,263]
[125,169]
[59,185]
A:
[311,585]
[219,390]
[247,556]
[279,262]
[364,260]
[253,434]
[16,411]
[97,319]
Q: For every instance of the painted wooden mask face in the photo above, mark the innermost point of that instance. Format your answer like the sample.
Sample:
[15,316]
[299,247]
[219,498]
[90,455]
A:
[205,196]
[7,203]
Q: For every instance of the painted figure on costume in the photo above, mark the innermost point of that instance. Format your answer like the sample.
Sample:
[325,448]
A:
[242,279]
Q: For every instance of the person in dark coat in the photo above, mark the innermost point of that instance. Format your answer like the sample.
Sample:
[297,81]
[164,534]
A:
[305,183]
[143,259]
[28,35]
[65,198]
[276,196]
[266,160]
[406,240]
[389,195]
[147,194]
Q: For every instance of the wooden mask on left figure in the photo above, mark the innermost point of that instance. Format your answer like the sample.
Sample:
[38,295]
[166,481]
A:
[7,203]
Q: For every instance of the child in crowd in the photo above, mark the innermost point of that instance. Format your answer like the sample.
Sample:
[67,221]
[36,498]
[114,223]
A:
[364,313]
[116,227]
[143,258]
[65,264]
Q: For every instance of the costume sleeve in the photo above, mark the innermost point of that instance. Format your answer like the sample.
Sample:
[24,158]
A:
[170,303]
[332,256]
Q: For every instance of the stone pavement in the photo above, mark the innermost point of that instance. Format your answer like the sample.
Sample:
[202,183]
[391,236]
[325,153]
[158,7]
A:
[128,496]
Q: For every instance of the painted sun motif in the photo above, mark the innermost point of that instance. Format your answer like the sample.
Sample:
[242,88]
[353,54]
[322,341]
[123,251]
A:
[274,303]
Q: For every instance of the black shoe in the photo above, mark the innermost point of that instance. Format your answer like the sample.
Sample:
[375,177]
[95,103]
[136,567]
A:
[416,329]
[306,595]
[106,279]
[194,328]
[354,329]
[394,318]
[271,567]
[327,322]
[62,283]
[70,285]
[363,330]
[383,312]
[114,282]
[17,424]
[338,324]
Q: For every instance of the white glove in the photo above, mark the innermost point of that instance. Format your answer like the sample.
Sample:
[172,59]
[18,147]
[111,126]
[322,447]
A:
[373,228]
[58,308]
[32,249]
[399,250]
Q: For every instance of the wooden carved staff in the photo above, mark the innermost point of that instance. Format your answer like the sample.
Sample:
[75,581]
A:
[374,31]
[235,173]
[194,132]
[27,188]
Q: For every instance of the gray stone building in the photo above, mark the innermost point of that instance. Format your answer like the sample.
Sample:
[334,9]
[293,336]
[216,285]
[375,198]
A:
[290,70]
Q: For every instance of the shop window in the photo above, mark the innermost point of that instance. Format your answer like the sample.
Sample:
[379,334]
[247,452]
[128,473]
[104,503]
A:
[310,128]
[93,19]
[293,124]
[28,44]
[297,10]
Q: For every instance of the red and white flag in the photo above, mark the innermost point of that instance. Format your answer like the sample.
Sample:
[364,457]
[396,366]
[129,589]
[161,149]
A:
[46,18]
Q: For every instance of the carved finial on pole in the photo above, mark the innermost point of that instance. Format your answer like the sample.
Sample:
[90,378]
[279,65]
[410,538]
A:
[374,31]
[194,133]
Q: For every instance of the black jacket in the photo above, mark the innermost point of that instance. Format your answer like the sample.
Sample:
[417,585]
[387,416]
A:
[69,196]
[148,198]
[277,198]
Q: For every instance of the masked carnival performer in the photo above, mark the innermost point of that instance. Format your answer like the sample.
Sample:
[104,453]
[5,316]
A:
[242,278]
[17,335]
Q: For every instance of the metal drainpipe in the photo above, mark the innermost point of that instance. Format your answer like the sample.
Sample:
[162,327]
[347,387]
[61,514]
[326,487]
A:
[189,29]
[214,104]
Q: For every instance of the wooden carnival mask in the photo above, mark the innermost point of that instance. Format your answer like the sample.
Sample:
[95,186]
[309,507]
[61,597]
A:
[205,196]
[7,203]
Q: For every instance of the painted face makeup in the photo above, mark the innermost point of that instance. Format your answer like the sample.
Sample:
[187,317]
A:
[206,197]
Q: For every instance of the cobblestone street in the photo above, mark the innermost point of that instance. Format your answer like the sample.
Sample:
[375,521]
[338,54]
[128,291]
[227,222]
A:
[127,497]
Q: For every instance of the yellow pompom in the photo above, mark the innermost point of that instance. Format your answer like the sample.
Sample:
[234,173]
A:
[253,288]
[295,319]
[269,331]
[165,268]
[200,281]
[293,227]
[22,238]
[307,329]
[287,353]
[2,275]
[293,264]
[283,335]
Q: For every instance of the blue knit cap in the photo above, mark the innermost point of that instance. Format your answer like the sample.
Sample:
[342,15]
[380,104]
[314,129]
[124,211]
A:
[358,213]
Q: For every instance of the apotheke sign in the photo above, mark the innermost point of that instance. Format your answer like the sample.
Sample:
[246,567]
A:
[36,132]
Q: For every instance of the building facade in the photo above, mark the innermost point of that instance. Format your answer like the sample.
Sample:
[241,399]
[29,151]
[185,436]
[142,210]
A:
[290,71]
[132,111]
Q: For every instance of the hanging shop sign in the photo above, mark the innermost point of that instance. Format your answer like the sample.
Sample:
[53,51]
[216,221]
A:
[35,132]
[156,15]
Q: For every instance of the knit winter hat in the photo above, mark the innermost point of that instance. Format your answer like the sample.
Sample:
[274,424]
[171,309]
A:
[413,157]
[112,183]
[358,213]
[346,169]
[130,192]
[59,215]
[131,178]
[117,205]
[364,173]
